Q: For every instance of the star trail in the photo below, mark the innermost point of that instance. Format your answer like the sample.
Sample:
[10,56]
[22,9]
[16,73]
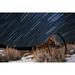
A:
[28,29]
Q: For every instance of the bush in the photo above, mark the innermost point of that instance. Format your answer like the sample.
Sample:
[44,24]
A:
[48,52]
[11,54]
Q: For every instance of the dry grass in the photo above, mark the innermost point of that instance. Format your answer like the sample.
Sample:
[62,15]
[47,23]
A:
[48,52]
[24,52]
[10,54]
[71,49]
[49,55]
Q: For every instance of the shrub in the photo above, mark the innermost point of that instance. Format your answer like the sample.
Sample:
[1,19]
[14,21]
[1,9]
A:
[11,54]
[48,52]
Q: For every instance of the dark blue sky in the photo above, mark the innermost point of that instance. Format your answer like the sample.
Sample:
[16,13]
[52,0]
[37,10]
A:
[27,29]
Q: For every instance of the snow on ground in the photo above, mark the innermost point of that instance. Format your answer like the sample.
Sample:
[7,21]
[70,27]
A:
[24,59]
[71,59]
[28,59]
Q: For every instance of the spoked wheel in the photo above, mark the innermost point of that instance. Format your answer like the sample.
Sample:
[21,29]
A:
[59,41]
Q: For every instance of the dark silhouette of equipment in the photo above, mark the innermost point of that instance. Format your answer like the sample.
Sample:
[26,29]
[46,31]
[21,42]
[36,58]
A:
[63,41]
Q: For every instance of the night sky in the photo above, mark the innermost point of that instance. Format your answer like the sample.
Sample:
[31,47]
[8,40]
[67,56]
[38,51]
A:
[28,29]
